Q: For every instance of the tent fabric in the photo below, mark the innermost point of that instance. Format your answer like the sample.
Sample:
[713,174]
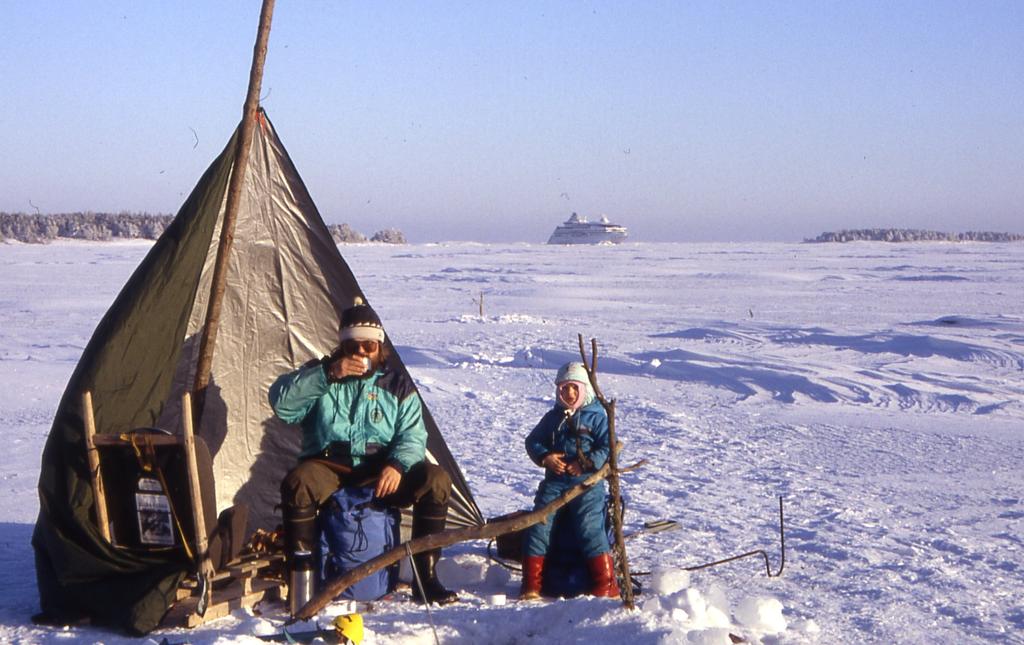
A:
[286,286]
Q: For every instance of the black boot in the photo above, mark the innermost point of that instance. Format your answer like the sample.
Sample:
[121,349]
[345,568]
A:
[433,590]
[427,519]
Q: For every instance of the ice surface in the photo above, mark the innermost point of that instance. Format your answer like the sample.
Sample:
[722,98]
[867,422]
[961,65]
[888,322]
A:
[881,397]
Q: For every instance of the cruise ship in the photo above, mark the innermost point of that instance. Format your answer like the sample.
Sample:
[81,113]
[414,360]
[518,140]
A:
[577,230]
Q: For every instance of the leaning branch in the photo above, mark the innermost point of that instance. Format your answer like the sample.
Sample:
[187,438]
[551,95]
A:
[443,539]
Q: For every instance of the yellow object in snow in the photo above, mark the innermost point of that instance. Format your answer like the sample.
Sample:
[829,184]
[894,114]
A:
[349,628]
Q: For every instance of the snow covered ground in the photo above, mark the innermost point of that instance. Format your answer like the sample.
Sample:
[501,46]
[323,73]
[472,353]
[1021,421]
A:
[877,388]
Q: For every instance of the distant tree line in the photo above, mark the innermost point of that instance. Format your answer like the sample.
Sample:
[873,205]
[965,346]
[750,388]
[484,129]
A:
[913,235]
[344,234]
[40,229]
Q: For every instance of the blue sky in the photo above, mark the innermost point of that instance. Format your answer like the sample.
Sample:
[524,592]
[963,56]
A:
[725,121]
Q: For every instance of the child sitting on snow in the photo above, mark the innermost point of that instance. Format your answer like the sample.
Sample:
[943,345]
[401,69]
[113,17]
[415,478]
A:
[571,442]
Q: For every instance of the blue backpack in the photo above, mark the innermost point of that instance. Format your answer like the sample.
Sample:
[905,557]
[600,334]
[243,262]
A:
[353,530]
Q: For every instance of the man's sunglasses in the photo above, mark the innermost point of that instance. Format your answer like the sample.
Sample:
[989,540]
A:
[368,346]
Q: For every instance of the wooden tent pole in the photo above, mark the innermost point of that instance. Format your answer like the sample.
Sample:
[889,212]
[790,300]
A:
[98,493]
[227,231]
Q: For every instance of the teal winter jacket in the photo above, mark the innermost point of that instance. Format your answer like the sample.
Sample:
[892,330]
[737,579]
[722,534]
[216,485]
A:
[382,409]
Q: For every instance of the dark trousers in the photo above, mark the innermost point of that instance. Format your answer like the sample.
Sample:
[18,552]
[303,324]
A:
[425,486]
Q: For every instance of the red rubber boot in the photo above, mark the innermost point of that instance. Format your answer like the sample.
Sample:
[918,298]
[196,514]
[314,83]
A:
[533,570]
[602,576]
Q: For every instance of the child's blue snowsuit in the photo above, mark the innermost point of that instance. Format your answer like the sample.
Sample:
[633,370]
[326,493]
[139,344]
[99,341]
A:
[558,432]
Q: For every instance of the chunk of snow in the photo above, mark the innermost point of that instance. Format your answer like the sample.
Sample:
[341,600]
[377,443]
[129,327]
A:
[715,617]
[497,576]
[674,637]
[696,604]
[263,628]
[461,573]
[762,614]
[651,605]
[666,581]
[717,636]
[718,599]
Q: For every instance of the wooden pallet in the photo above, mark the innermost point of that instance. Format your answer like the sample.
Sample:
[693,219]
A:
[237,586]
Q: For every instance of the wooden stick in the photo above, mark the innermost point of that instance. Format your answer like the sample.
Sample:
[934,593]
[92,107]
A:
[443,539]
[613,477]
[98,492]
[104,440]
[195,494]
[205,567]
[227,231]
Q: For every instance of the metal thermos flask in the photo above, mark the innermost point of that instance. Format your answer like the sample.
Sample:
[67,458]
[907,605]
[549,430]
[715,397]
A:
[300,581]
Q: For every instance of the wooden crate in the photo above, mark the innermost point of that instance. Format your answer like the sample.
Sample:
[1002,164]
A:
[237,586]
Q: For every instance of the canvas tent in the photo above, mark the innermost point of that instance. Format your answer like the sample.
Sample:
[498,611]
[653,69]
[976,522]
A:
[286,286]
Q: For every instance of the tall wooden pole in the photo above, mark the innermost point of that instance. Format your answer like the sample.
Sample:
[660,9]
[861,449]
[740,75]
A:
[227,231]
[613,474]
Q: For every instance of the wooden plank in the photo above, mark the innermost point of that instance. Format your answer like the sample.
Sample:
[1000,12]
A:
[99,494]
[224,601]
[253,566]
[248,569]
[105,440]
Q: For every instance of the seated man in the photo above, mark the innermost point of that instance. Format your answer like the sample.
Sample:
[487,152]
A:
[361,421]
